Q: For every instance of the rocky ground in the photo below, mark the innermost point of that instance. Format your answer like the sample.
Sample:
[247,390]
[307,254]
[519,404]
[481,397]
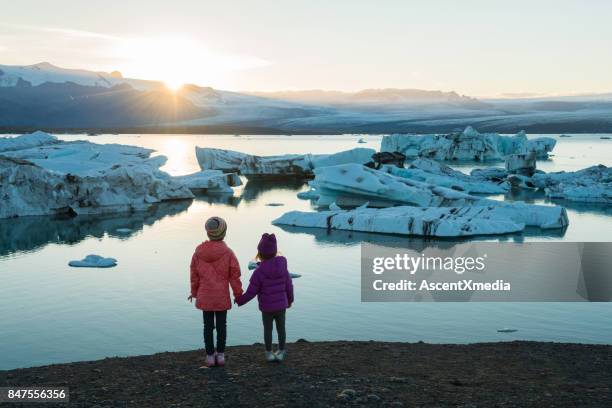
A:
[513,374]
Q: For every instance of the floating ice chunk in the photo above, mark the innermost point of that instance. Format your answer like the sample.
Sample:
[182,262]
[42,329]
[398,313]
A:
[308,194]
[219,159]
[29,189]
[84,158]
[518,181]
[523,164]
[94,261]
[280,166]
[593,184]
[352,185]
[468,145]
[408,220]
[359,155]
[212,181]
[26,141]
[506,330]
[432,172]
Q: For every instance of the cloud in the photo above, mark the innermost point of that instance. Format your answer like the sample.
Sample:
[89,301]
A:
[64,31]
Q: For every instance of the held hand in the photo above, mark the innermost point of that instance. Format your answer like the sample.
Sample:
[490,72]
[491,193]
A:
[190,298]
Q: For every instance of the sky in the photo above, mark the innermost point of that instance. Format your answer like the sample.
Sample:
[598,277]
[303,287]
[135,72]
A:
[478,48]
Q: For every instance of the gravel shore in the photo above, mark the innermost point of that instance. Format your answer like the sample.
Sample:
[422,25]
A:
[323,374]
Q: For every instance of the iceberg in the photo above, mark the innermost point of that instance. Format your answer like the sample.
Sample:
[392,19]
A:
[211,181]
[523,164]
[28,189]
[593,184]
[407,220]
[94,261]
[350,185]
[81,157]
[41,175]
[227,161]
[432,172]
[279,166]
[469,145]
[27,141]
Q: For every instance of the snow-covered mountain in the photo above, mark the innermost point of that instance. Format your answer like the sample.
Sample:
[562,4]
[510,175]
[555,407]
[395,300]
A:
[45,96]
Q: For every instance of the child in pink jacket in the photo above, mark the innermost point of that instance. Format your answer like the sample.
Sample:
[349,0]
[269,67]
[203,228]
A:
[214,268]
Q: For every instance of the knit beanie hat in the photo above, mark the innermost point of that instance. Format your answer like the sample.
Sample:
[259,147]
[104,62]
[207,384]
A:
[267,245]
[215,228]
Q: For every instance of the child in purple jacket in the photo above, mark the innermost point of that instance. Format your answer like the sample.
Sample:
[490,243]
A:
[272,284]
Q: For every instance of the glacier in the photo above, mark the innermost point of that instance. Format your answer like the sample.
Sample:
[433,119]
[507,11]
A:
[469,145]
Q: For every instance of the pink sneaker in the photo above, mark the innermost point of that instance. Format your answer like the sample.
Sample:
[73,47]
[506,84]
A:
[220,359]
[210,360]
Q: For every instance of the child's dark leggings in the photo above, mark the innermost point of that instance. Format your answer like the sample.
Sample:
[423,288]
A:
[212,320]
[268,319]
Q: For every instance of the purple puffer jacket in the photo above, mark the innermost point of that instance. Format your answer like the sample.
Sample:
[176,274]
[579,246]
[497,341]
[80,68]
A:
[272,285]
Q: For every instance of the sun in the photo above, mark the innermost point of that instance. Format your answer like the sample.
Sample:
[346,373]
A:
[174,85]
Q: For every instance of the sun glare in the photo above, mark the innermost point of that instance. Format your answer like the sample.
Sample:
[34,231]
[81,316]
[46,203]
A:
[177,60]
[173,85]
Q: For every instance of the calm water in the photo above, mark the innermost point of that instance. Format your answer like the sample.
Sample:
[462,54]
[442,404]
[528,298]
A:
[52,313]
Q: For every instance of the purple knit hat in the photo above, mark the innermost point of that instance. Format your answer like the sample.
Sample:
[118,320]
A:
[267,245]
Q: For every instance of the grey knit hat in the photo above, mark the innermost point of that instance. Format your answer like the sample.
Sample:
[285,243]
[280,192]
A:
[216,228]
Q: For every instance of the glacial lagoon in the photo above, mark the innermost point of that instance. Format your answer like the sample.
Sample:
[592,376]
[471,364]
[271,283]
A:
[51,313]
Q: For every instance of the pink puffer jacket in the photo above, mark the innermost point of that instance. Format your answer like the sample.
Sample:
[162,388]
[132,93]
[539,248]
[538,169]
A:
[214,268]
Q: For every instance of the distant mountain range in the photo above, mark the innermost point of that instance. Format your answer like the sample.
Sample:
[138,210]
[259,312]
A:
[44,96]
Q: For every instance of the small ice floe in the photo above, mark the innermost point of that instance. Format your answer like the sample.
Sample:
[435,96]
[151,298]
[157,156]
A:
[275,204]
[506,330]
[311,194]
[362,140]
[94,261]
[123,231]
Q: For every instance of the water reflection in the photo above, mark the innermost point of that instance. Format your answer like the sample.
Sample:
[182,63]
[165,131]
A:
[351,238]
[253,189]
[219,199]
[28,234]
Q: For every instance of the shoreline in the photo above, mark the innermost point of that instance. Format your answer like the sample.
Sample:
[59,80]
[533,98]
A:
[229,130]
[339,373]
